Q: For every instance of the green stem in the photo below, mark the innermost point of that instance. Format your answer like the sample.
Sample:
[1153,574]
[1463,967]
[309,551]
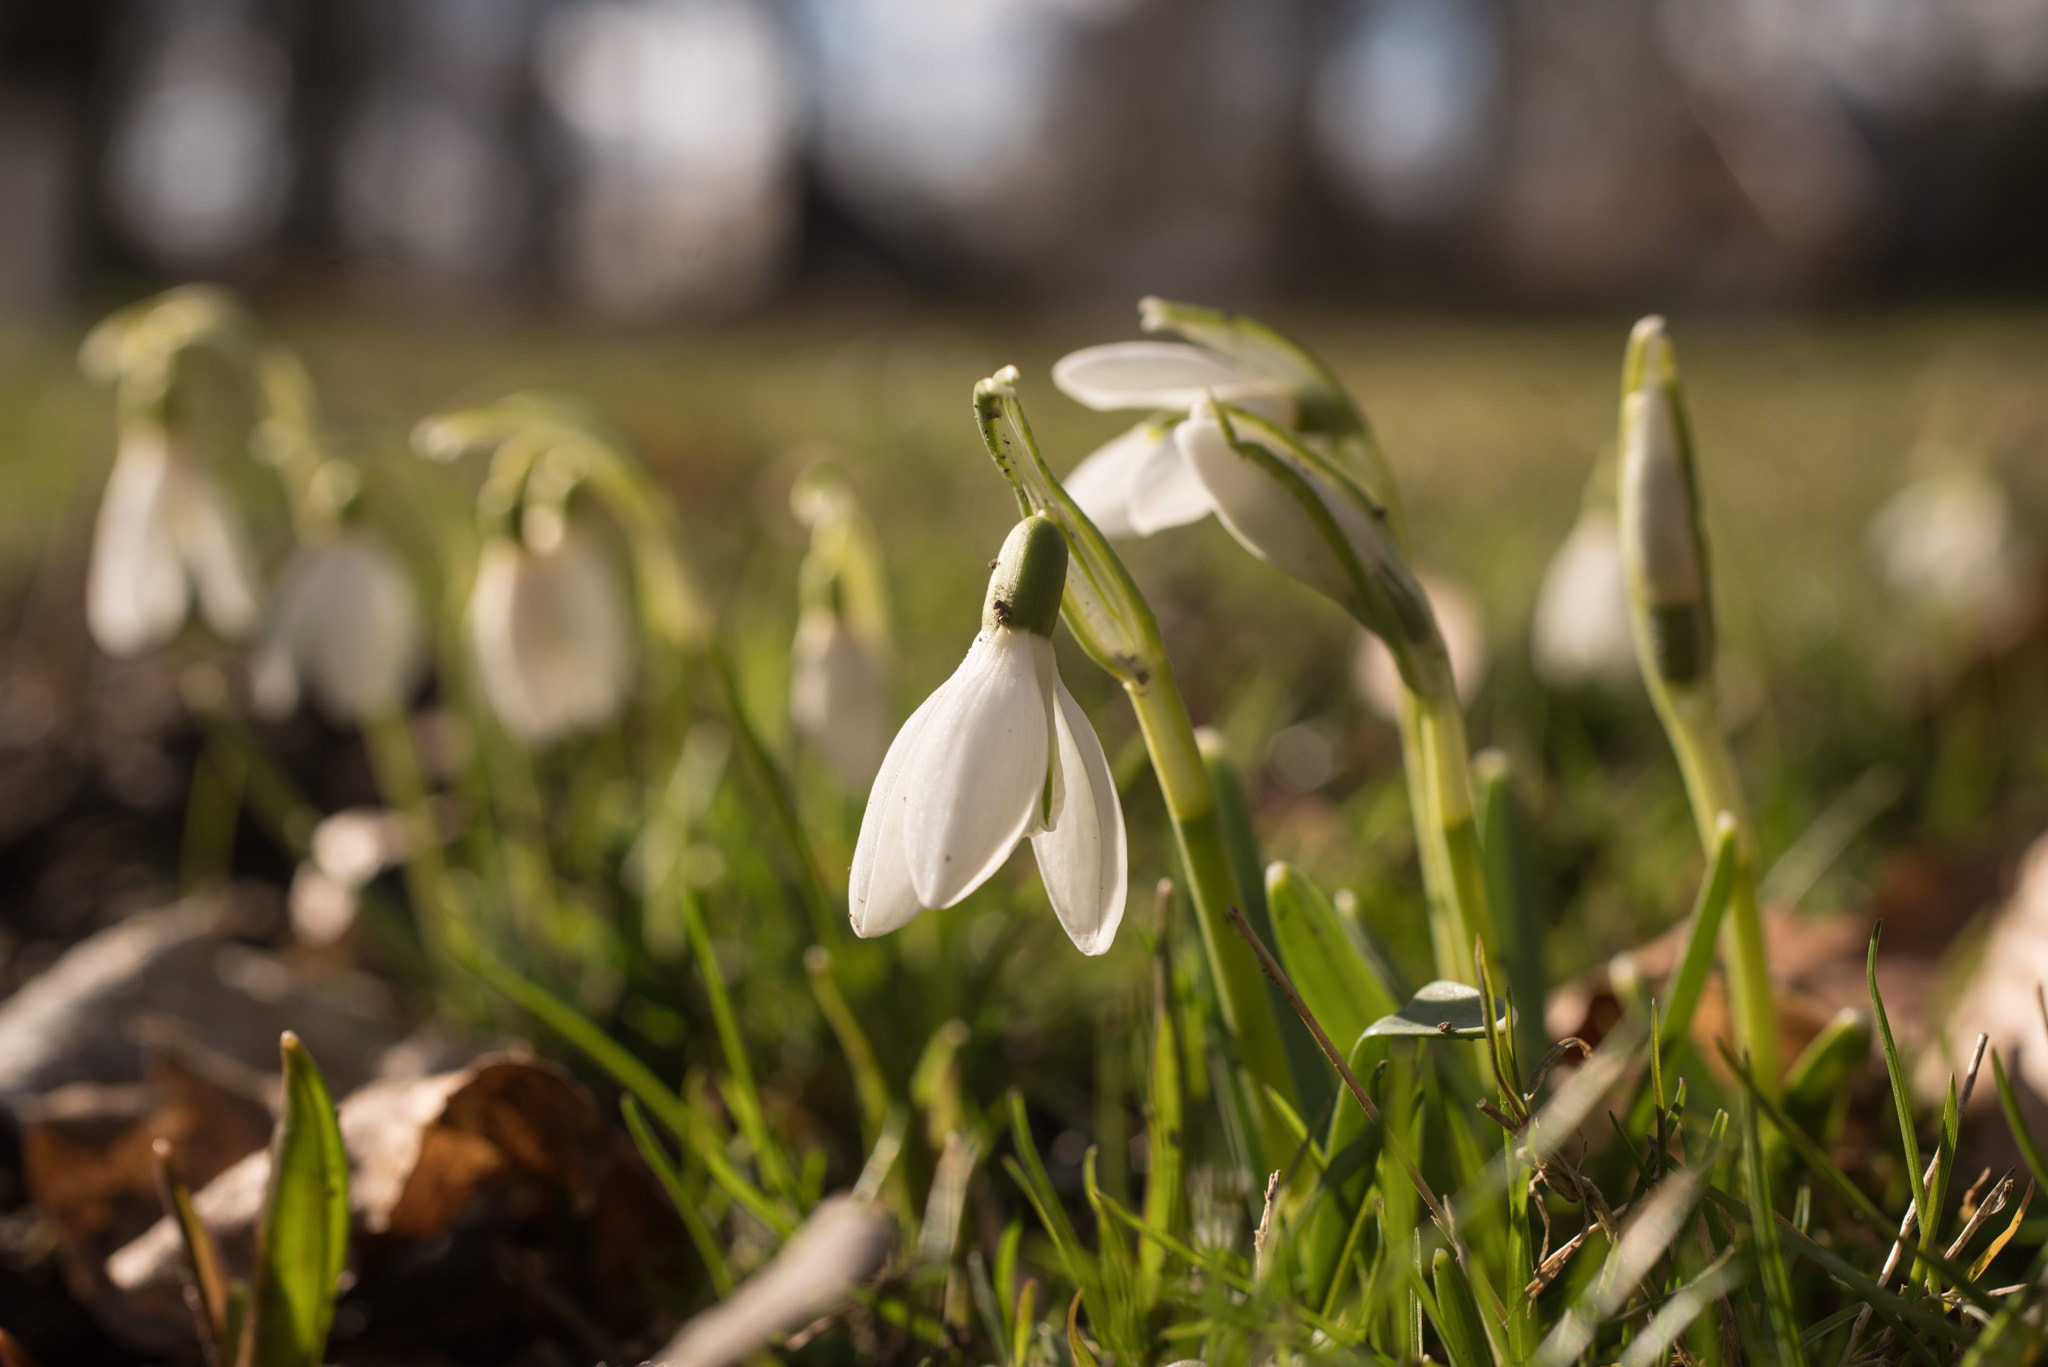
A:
[1710,784]
[396,764]
[1212,885]
[1438,762]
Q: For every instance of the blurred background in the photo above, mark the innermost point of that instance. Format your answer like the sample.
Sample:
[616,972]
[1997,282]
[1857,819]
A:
[645,160]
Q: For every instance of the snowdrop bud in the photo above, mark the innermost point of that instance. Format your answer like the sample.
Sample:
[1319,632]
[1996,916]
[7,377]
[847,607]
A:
[1030,574]
[346,625]
[1661,543]
[836,695]
[552,638]
[1581,632]
[1378,680]
[164,529]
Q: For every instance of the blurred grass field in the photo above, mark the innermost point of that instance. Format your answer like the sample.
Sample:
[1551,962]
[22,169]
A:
[1493,426]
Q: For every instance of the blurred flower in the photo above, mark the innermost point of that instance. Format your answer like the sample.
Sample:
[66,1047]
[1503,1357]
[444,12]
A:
[552,639]
[1581,633]
[1000,752]
[164,528]
[836,695]
[1378,680]
[1950,545]
[345,624]
[1140,482]
[349,848]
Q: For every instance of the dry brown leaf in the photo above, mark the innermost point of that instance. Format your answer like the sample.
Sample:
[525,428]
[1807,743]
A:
[419,1150]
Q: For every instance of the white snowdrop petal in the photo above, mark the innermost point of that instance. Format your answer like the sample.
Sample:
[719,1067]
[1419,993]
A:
[1101,484]
[136,593]
[836,696]
[362,645]
[552,638]
[1581,631]
[976,779]
[1083,860]
[490,633]
[1146,375]
[1166,491]
[879,895]
[215,551]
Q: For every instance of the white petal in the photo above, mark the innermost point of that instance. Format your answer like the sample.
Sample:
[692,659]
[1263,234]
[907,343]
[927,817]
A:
[551,636]
[1147,375]
[1581,632]
[1167,492]
[1083,860]
[362,643]
[879,895]
[136,593]
[976,780]
[836,696]
[215,551]
[1101,484]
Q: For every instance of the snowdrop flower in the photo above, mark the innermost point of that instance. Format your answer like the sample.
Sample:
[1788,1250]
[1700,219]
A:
[1377,679]
[1308,520]
[1662,547]
[346,626]
[551,635]
[836,696]
[1140,482]
[1950,545]
[164,530]
[999,753]
[1581,633]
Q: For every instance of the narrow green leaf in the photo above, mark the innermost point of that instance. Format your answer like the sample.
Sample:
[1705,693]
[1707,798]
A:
[1164,1133]
[1821,1074]
[1682,996]
[1457,1314]
[1335,980]
[1902,1096]
[1686,1304]
[206,1291]
[671,1182]
[1770,1257]
[1075,1344]
[1511,890]
[302,1242]
[2024,1137]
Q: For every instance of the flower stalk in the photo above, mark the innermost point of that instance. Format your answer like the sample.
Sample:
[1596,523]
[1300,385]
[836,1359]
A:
[1670,592]
[1107,614]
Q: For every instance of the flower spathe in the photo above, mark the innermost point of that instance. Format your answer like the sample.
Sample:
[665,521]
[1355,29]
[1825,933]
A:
[999,753]
[164,530]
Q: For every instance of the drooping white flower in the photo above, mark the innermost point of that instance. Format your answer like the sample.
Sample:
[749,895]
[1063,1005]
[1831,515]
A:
[1140,483]
[164,530]
[1377,678]
[1950,545]
[836,696]
[552,639]
[345,626]
[999,753]
[1581,634]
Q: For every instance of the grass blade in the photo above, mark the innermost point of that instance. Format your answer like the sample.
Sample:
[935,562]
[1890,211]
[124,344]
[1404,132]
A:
[1457,1317]
[2024,1137]
[1687,980]
[1770,1257]
[302,1244]
[671,1182]
[1687,1304]
[1335,980]
[1901,1096]
[206,1289]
